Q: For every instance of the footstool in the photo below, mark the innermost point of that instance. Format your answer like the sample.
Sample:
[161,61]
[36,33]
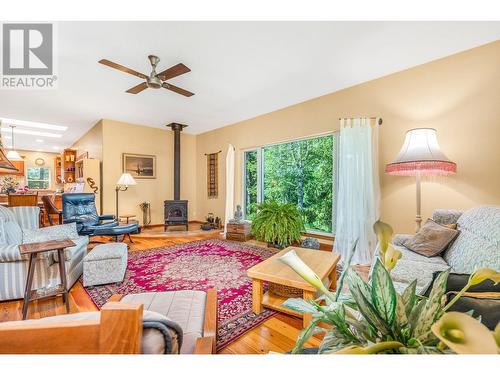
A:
[105,264]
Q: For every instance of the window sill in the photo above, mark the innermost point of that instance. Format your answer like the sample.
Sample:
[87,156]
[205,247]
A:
[314,234]
[319,235]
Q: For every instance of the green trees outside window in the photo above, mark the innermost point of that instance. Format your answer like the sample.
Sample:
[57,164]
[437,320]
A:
[298,172]
[250,184]
[38,178]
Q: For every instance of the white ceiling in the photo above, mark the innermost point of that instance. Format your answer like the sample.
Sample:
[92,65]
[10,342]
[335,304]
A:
[239,69]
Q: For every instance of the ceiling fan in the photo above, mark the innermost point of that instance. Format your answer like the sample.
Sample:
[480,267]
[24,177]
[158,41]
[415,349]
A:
[154,80]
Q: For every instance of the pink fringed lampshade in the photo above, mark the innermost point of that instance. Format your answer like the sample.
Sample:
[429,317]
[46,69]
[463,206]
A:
[421,152]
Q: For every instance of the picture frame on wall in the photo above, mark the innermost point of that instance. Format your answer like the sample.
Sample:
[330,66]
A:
[139,166]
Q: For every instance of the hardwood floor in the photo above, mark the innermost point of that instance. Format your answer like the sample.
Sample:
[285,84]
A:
[277,334]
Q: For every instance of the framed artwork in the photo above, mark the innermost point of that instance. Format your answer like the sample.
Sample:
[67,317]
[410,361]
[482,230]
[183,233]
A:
[139,166]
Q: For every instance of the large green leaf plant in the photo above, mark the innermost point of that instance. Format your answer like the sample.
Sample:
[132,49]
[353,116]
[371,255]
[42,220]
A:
[277,223]
[374,318]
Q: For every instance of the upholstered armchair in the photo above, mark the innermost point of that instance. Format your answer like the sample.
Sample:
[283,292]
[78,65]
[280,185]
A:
[80,208]
[20,225]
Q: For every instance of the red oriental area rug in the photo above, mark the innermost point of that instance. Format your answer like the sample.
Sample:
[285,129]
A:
[197,265]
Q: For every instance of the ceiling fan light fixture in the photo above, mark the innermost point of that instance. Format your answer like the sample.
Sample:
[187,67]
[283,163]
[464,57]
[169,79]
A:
[154,82]
[154,60]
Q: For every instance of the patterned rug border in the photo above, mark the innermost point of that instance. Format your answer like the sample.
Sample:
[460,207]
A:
[257,319]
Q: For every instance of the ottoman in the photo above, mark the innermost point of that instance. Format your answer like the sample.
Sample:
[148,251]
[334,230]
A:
[105,264]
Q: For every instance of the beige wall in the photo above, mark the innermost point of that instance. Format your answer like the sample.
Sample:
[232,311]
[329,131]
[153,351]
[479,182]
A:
[119,138]
[109,139]
[458,95]
[91,142]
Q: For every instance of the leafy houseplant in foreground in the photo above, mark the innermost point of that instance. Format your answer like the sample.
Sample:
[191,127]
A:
[277,224]
[377,319]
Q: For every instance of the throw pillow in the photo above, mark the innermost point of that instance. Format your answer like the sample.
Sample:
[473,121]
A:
[457,281]
[56,232]
[484,305]
[13,234]
[431,240]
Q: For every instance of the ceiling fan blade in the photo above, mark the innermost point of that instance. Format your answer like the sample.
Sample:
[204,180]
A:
[112,64]
[137,89]
[176,89]
[173,71]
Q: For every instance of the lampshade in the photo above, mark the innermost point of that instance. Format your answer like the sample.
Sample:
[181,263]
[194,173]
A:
[421,152]
[13,155]
[126,180]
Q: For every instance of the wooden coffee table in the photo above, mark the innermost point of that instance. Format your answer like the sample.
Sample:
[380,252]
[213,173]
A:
[324,263]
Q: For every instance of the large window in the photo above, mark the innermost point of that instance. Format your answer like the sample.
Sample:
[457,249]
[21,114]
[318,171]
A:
[299,172]
[38,178]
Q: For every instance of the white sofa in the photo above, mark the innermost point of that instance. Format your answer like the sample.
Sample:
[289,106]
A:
[16,221]
[477,246]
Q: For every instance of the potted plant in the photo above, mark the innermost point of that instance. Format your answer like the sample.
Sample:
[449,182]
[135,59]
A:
[377,319]
[277,224]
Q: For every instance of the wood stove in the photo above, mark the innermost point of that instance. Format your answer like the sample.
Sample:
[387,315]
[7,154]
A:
[176,210]
[176,213]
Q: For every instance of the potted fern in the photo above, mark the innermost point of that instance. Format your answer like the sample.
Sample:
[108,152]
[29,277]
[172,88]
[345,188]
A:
[277,224]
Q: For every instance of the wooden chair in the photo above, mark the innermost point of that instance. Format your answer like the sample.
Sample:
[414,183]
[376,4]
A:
[51,209]
[117,330]
[15,200]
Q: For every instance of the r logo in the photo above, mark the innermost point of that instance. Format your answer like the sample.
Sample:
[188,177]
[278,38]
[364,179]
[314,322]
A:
[27,49]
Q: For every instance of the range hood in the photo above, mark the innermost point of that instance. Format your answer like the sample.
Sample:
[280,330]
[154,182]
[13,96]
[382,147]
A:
[5,164]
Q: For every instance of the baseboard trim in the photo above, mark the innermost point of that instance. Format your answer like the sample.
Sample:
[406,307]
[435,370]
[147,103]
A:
[161,225]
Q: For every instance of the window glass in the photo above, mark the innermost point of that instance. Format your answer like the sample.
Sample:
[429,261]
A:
[38,178]
[250,184]
[299,172]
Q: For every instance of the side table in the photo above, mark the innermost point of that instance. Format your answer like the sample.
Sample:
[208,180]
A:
[238,232]
[126,217]
[33,249]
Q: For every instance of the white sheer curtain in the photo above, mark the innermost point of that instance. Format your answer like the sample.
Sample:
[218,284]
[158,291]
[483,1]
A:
[358,196]
[229,185]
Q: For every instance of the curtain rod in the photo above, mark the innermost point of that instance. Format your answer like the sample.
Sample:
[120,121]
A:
[218,152]
[380,121]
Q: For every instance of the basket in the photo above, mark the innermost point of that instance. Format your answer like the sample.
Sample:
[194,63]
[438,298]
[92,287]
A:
[285,291]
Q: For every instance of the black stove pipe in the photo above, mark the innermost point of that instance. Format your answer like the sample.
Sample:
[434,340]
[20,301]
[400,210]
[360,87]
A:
[177,128]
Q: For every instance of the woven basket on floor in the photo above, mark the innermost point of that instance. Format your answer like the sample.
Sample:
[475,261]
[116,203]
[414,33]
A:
[285,291]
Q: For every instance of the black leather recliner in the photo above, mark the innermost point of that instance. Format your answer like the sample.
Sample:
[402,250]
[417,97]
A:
[80,208]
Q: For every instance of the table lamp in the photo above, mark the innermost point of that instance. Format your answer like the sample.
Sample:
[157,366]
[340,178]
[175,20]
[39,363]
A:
[420,156]
[123,183]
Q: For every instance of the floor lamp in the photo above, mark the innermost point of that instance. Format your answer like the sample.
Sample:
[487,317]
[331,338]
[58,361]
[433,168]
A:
[420,156]
[123,183]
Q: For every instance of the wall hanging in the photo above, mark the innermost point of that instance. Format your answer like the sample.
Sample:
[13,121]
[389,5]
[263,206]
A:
[213,174]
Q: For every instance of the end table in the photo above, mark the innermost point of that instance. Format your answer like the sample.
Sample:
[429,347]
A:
[126,217]
[33,249]
[238,231]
